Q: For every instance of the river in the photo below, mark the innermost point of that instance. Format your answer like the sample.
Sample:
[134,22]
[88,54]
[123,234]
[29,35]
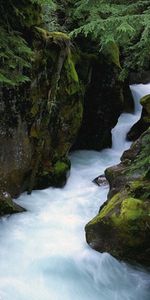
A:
[43,252]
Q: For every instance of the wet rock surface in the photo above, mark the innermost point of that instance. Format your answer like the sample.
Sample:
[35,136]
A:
[144,122]
[8,206]
[103,103]
[101,180]
[122,225]
[39,121]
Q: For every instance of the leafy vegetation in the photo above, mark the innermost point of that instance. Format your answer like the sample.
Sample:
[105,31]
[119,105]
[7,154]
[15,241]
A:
[14,57]
[120,25]
[16,23]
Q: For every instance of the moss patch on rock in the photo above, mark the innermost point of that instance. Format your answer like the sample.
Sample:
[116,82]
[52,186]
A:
[113,53]
[141,164]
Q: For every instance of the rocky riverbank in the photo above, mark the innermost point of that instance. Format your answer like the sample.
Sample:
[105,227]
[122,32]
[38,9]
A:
[122,226]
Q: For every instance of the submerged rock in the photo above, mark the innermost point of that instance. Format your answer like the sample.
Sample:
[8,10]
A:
[7,206]
[122,226]
[101,180]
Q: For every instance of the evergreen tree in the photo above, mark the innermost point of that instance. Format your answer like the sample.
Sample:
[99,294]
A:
[117,24]
[16,22]
[120,28]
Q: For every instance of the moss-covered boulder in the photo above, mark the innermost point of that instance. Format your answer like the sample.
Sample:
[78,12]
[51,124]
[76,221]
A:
[122,229]
[122,226]
[57,107]
[144,122]
[41,125]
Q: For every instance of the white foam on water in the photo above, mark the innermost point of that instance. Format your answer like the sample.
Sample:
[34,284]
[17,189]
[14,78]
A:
[43,252]
[139,91]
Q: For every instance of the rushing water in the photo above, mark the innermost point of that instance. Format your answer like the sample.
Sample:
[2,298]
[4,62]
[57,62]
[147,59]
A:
[43,253]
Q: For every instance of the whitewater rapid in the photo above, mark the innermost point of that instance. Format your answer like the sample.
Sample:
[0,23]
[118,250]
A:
[43,252]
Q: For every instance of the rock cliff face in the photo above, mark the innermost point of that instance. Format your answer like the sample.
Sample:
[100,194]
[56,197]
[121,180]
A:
[40,118]
[57,107]
[103,103]
[144,122]
[122,225]
[39,121]
[105,98]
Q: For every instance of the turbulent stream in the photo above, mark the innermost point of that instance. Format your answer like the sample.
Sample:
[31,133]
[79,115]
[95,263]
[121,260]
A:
[43,253]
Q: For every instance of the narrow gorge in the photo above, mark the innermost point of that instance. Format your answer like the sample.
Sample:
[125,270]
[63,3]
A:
[74,150]
[49,256]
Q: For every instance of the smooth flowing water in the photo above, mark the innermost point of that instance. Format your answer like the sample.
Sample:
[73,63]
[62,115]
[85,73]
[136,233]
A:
[43,253]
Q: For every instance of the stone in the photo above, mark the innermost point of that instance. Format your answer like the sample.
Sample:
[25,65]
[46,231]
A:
[142,125]
[103,91]
[39,121]
[8,206]
[101,180]
[122,227]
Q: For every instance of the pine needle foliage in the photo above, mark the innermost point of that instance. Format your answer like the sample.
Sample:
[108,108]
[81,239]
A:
[14,57]
[124,23]
[120,25]
[16,54]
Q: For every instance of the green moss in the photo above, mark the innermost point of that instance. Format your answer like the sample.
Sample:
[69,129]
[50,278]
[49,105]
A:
[121,212]
[129,209]
[136,184]
[72,71]
[145,101]
[112,52]
[108,210]
[60,168]
[140,189]
[111,206]
[133,219]
[72,76]
[132,209]
[59,35]
[142,160]
[54,174]
[34,133]
[55,37]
